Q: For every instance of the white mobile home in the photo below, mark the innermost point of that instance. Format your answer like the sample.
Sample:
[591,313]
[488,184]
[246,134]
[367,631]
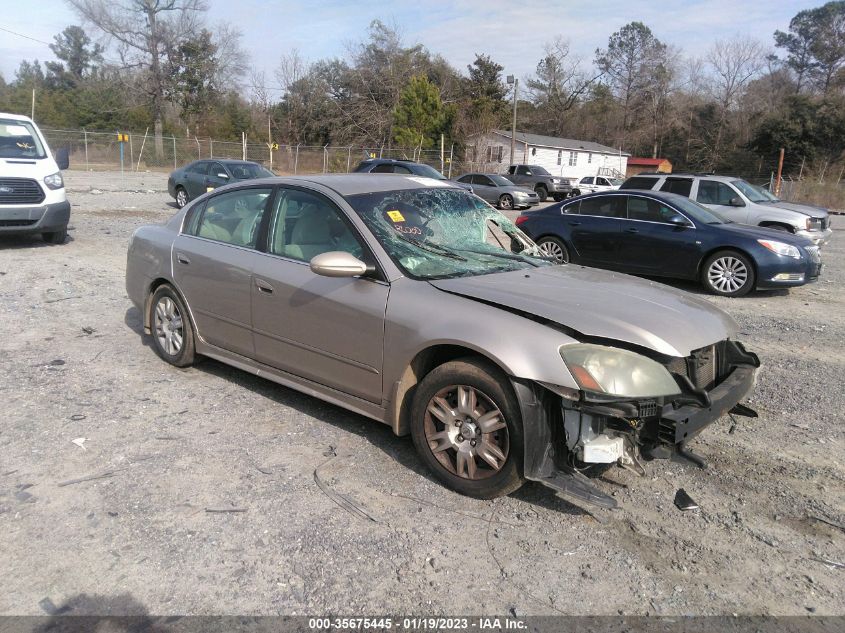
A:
[560,156]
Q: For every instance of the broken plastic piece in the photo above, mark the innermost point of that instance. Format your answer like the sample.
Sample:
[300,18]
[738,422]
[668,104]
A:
[683,501]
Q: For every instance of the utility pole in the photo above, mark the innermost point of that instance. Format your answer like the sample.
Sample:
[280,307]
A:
[32,113]
[780,170]
[515,81]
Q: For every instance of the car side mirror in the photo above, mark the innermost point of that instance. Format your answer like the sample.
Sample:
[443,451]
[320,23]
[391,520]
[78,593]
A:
[62,158]
[678,220]
[338,264]
[223,176]
[736,201]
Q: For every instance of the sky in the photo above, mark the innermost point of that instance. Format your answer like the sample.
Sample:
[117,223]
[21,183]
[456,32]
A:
[512,32]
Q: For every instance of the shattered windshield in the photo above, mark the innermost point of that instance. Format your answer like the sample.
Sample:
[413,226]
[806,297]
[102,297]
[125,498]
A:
[440,232]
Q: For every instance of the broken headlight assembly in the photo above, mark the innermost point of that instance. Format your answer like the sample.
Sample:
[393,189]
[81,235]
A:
[618,372]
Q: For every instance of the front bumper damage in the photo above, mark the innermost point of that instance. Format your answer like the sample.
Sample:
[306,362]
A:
[556,424]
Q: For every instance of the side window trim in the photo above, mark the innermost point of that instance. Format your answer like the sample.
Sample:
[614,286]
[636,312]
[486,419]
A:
[192,230]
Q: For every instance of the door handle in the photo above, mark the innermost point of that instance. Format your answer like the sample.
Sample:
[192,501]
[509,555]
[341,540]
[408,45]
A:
[574,224]
[182,259]
[632,230]
[263,286]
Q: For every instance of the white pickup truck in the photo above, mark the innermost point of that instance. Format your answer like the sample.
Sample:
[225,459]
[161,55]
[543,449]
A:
[32,191]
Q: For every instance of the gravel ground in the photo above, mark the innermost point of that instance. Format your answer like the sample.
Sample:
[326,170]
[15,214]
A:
[162,446]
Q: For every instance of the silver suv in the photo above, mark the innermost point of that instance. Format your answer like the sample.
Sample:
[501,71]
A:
[740,201]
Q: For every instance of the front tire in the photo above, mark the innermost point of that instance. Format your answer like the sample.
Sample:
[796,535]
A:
[728,274]
[575,192]
[467,428]
[181,197]
[173,334]
[554,248]
[541,192]
[506,202]
[56,237]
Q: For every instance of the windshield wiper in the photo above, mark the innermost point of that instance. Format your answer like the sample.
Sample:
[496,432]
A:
[515,257]
[432,248]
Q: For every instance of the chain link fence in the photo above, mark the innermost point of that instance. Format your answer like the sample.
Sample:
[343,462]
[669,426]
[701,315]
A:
[91,150]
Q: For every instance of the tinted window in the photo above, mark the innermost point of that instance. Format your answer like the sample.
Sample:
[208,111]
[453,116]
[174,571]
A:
[501,181]
[522,170]
[587,181]
[484,180]
[648,210]
[466,179]
[383,168]
[681,186]
[245,171]
[603,182]
[234,217]
[610,206]
[305,225]
[638,182]
[714,192]
[571,208]
[214,169]
[401,169]
[198,168]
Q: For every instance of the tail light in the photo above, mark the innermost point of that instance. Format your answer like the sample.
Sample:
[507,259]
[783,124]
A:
[521,220]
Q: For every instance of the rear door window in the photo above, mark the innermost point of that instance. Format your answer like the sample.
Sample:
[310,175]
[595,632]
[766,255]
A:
[233,217]
[609,207]
[680,186]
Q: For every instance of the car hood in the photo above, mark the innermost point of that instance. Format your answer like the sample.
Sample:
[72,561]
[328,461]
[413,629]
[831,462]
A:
[524,190]
[806,209]
[601,304]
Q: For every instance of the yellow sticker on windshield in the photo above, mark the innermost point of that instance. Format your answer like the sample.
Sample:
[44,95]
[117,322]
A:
[209,189]
[395,216]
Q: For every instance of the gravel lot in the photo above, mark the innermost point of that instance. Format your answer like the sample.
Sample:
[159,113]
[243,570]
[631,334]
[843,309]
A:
[170,444]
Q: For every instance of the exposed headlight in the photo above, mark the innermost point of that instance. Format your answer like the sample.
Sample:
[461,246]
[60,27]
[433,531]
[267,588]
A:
[54,181]
[779,248]
[617,372]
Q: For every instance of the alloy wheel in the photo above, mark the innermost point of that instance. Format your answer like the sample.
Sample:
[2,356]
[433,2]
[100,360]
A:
[181,198]
[466,432]
[727,274]
[169,330]
[554,251]
[506,202]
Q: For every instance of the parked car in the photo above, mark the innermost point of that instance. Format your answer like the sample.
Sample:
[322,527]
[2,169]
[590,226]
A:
[200,176]
[593,184]
[404,167]
[667,235]
[739,201]
[424,308]
[541,181]
[32,191]
[499,191]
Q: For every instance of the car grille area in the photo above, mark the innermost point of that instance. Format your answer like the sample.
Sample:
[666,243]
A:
[20,191]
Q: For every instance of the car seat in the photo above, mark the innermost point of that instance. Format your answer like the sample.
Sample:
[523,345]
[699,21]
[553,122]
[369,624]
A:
[311,234]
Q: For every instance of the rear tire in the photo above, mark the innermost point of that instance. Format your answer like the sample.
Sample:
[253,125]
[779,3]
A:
[181,197]
[170,325]
[575,192]
[728,274]
[541,192]
[555,248]
[56,237]
[467,428]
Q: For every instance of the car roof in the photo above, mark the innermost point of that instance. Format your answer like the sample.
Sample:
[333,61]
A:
[354,184]
[665,196]
[686,174]
[391,160]
[15,117]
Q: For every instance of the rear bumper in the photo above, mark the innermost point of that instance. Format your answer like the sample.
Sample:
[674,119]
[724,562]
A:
[35,219]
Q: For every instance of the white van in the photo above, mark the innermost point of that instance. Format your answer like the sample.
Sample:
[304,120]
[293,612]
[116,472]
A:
[32,191]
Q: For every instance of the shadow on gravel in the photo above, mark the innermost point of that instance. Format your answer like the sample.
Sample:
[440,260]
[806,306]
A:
[84,613]
[28,240]
[399,449]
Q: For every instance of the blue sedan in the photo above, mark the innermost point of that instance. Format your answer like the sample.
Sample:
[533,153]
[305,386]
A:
[666,235]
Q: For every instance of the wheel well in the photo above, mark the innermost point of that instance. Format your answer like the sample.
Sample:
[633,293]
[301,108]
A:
[425,361]
[784,225]
[156,283]
[707,256]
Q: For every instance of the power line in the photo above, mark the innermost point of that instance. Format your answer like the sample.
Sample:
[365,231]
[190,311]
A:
[25,36]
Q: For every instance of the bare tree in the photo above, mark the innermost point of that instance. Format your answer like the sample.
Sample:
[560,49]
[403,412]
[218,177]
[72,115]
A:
[144,32]
[734,64]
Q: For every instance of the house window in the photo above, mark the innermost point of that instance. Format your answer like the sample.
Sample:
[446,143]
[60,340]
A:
[559,156]
[573,159]
[589,158]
